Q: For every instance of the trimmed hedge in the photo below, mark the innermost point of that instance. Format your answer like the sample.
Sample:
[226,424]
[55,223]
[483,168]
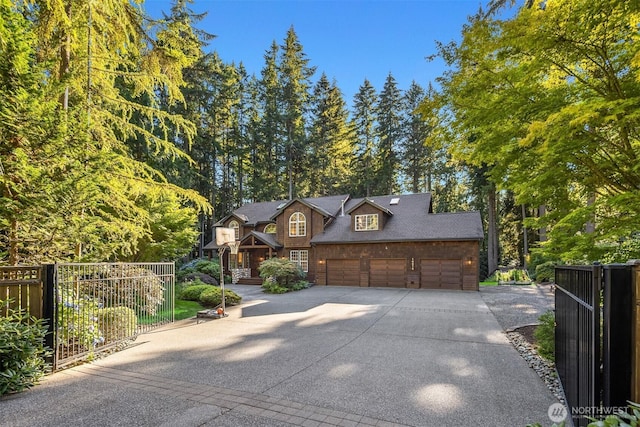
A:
[213,296]
[117,323]
[192,292]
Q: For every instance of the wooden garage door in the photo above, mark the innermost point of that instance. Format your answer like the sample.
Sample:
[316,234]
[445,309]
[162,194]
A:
[388,273]
[441,273]
[343,272]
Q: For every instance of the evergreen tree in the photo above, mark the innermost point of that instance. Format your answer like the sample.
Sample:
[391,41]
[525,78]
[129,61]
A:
[417,157]
[330,141]
[390,137]
[366,137]
[294,75]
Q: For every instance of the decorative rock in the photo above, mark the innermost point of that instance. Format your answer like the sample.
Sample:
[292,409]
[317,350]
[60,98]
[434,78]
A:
[545,369]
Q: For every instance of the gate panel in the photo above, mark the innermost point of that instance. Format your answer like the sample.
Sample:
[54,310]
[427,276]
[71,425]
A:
[99,306]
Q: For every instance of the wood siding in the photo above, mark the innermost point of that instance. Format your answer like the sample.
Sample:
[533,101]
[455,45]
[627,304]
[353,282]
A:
[368,209]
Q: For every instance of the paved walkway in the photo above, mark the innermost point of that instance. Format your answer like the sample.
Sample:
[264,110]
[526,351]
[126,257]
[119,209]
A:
[322,356]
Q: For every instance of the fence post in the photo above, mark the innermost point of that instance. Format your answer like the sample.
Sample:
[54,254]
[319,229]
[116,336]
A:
[49,309]
[616,339]
[635,332]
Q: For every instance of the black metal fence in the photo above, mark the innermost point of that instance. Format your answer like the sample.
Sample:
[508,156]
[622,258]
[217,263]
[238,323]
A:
[593,337]
[91,308]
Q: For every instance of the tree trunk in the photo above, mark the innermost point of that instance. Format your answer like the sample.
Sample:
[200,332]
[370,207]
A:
[492,233]
[542,232]
[525,240]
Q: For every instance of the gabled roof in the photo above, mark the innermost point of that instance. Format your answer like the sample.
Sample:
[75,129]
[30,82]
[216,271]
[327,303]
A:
[328,206]
[371,203]
[266,238]
[411,221]
[253,213]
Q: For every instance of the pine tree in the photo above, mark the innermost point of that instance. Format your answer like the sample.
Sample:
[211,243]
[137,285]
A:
[294,75]
[390,137]
[366,137]
[330,141]
[417,157]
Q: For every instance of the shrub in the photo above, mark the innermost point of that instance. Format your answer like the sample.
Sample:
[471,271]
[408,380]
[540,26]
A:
[117,323]
[22,351]
[283,272]
[203,277]
[78,321]
[212,268]
[545,272]
[213,296]
[545,336]
[271,287]
[128,285]
[513,275]
[192,292]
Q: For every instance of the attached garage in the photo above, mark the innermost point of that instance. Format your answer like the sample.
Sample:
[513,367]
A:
[388,272]
[343,272]
[441,274]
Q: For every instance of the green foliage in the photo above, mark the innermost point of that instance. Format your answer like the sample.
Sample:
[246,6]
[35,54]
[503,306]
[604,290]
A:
[545,336]
[545,272]
[22,351]
[117,323]
[271,287]
[212,268]
[514,275]
[193,291]
[213,296]
[78,322]
[126,285]
[544,99]
[627,249]
[624,419]
[282,272]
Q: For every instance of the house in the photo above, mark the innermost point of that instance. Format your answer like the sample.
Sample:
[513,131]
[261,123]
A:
[383,241]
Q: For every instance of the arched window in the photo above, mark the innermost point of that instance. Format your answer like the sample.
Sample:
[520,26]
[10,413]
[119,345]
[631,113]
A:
[270,229]
[236,228]
[297,225]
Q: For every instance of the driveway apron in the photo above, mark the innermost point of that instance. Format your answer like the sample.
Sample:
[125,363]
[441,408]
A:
[321,356]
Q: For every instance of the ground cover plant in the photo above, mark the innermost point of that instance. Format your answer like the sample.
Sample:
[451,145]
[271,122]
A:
[281,276]
[22,350]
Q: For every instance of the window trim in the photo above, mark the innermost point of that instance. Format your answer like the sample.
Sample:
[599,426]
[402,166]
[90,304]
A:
[301,258]
[367,224]
[236,227]
[299,223]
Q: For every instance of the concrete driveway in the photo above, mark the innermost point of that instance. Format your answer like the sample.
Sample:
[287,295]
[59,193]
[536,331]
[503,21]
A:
[322,356]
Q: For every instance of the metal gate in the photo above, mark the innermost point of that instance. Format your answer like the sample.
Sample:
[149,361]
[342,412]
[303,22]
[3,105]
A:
[593,337]
[99,306]
[91,308]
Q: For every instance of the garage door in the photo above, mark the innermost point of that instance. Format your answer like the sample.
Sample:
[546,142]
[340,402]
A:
[343,272]
[441,274]
[388,273]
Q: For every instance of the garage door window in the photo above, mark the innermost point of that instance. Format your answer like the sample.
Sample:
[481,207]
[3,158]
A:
[301,258]
[368,222]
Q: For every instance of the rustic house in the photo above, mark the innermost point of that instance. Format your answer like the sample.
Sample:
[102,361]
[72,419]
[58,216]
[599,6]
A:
[383,241]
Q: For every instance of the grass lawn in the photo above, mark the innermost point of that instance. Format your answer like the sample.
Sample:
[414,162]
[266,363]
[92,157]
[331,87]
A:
[185,309]
[489,283]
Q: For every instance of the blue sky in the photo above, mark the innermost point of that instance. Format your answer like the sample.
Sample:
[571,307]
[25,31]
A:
[349,40]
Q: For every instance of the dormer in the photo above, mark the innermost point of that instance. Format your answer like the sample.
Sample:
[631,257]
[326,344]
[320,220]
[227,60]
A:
[368,216]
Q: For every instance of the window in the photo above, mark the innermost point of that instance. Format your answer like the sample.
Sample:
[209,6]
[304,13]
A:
[236,228]
[366,222]
[301,258]
[297,225]
[270,229]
